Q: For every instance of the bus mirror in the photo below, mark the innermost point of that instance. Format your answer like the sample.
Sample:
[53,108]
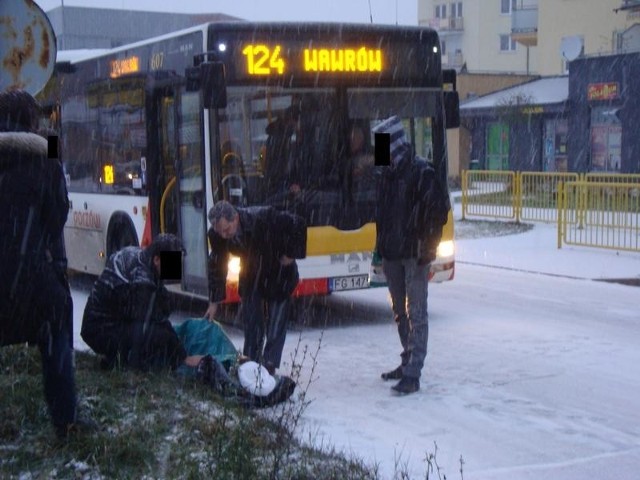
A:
[449,78]
[214,85]
[451,109]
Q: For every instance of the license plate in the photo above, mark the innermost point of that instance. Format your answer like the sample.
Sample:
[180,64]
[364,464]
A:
[348,283]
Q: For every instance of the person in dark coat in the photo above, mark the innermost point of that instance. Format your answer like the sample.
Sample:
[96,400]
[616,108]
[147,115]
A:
[411,210]
[267,241]
[281,164]
[126,318]
[35,299]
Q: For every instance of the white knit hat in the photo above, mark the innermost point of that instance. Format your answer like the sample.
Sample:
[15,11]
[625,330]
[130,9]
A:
[255,379]
[393,126]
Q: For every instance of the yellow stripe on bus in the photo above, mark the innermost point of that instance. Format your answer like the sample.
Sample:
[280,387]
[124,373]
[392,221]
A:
[447,229]
[329,240]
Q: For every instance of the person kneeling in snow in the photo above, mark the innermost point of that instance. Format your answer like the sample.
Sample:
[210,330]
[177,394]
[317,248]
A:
[126,318]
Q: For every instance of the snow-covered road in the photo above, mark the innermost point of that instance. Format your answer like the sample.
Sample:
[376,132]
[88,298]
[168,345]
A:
[528,376]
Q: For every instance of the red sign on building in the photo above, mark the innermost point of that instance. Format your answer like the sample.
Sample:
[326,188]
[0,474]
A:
[603,91]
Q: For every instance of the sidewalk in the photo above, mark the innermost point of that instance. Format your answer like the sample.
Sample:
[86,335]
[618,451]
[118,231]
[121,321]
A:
[537,251]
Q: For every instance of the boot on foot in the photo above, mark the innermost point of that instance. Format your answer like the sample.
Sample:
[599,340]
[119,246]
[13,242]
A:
[395,374]
[407,385]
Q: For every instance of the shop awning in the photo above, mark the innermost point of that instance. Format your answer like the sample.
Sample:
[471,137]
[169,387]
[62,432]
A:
[547,94]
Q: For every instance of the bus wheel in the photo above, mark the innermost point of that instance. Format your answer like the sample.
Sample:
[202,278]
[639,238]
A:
[121,234]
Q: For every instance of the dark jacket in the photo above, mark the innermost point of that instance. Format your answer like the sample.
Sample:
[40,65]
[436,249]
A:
[412,208]
[265,235]
[127,296]
[34,199]
[280,164]
[34,208]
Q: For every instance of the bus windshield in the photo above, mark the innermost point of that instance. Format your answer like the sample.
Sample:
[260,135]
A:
[311,150]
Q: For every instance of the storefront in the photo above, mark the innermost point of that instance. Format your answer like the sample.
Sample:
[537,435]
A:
[605,113]
[520,128]
[584,122]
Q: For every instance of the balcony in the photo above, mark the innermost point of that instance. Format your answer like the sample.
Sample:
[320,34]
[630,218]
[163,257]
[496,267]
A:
[451,24]
[524,25]
[453,60]
[631,5]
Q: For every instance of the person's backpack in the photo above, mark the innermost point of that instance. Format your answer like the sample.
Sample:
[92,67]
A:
[435,213]
[437,210]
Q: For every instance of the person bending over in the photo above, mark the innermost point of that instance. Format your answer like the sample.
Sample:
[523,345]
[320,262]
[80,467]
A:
[267,241]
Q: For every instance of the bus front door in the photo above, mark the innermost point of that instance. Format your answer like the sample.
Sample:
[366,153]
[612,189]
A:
[191,192]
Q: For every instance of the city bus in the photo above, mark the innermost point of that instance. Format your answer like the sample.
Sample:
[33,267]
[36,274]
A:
[151,134]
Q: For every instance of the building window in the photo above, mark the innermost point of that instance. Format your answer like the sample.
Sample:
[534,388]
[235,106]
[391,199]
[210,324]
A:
[555,145]
[441,11]
[456,9]
[507,44]
[606,140]
[507,6]
[443,48]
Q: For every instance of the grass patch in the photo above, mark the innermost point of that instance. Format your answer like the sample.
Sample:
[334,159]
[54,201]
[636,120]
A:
[152,425]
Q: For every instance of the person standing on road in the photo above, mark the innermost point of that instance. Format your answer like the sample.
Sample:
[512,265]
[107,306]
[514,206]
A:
[411,210]
[267,241]
[35,299]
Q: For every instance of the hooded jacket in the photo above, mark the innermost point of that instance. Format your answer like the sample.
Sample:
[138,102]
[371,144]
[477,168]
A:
[128,292]
[265,234]
[34,208]
[34,201]
[411,210]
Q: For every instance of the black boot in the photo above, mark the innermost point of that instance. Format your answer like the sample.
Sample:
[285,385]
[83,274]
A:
[211,372]
[407,385]
[395,374]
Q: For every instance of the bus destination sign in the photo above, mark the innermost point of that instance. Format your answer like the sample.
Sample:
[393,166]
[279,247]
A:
[262,59]
[124,66]
[326,54]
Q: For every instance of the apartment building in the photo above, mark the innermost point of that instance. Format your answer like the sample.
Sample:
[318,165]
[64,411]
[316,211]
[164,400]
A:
[578,60]
[529,36]
[476,35]
[563,30]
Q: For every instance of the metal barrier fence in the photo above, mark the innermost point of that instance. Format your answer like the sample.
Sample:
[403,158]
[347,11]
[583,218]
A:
[600,214]
[539,199]
[593,209]
[489,193]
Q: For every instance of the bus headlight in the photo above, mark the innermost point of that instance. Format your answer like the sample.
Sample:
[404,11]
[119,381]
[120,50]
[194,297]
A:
[233,268]
[445,249]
